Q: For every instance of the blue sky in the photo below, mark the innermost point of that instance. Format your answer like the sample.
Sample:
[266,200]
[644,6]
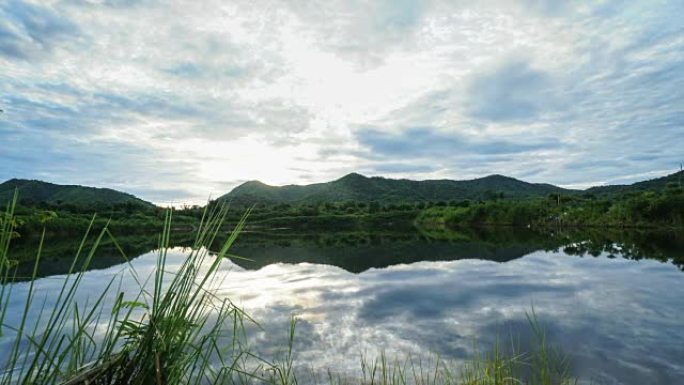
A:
[178,100]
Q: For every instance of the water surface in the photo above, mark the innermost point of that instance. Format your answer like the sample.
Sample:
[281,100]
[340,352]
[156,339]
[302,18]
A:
[614,302]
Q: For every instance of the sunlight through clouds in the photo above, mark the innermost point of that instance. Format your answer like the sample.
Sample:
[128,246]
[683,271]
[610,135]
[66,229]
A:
[108,92]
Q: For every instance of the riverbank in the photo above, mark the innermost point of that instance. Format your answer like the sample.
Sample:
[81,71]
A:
[648,210]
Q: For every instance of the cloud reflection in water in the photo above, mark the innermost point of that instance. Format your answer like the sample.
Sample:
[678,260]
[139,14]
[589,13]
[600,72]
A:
[621,320]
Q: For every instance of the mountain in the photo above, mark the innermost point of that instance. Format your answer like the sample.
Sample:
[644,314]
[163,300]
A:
[38,191]
[656,184]
[350,187]
[361,188]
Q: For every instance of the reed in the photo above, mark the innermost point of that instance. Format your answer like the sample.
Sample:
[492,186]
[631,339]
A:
[167,333]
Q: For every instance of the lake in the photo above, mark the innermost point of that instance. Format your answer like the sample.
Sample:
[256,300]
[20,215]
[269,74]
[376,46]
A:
[614,301]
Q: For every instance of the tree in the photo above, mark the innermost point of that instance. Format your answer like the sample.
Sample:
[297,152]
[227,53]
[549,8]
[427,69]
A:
[673,188]
[45,216]
[373,207]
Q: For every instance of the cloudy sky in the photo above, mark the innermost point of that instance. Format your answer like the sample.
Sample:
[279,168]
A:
[175,100]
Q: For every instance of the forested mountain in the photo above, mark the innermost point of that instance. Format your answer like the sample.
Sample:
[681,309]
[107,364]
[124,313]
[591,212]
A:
[361,188]
[656,184]
[351,187]
[38,192]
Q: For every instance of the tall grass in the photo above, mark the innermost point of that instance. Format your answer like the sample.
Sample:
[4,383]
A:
[167,333]
[175,330]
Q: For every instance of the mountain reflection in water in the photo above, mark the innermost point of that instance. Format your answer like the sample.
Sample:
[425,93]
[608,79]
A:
[619,319]
[360,251]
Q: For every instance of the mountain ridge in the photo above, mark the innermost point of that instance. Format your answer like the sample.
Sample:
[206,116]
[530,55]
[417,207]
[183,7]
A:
[52,193]
[644,185]
[353,186]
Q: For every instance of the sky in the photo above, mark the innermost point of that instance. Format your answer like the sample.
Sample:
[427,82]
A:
[176,101]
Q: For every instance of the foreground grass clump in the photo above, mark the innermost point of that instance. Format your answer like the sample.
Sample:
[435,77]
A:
[166,334]
[175,330]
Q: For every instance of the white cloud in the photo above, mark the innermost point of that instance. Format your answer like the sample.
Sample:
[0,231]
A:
[281,91]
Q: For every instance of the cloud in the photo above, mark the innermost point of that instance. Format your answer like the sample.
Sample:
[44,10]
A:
[296,92]
[430,301]
[29,29]
[392,168]
[10,43]
[134,168]
[429,142]
[513,92]
[358,30]
[549,7]
[111,3]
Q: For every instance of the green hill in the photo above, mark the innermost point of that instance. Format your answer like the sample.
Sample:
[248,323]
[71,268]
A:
[656,184]
[352,187]
[361,188]
[34,191]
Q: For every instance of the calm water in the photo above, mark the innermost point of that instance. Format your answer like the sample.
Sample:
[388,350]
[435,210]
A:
[614,301]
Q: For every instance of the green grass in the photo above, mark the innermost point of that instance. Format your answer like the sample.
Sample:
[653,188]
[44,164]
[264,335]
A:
[176,330]
[166,334]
